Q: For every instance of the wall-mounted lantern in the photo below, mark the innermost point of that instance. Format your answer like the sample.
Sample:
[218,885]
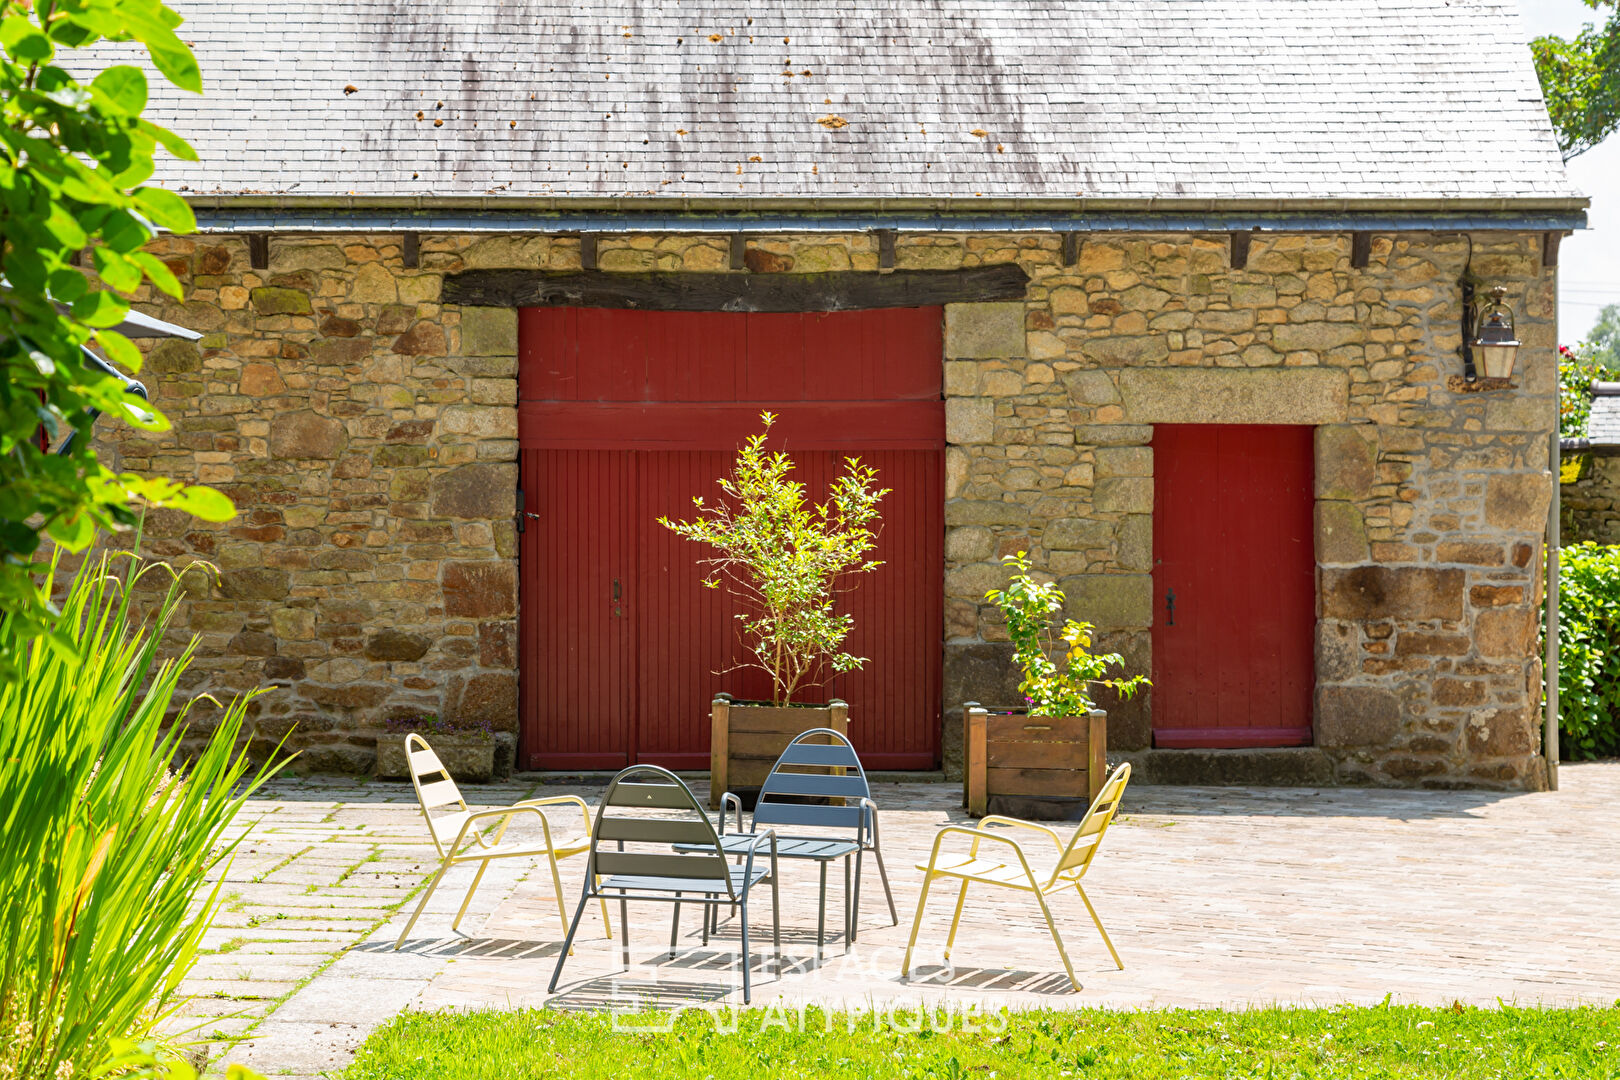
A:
[1495,339]
[1489,333]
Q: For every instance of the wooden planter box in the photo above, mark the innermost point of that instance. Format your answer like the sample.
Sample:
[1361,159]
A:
[1041,768]
[747,737]
[468,760]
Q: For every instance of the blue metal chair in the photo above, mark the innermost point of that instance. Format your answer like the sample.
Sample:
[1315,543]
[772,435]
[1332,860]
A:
[817,783]
[639,865]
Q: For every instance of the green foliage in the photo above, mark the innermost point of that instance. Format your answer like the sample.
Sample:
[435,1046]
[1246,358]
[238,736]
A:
[106,840]
[1051,690]
[1576,374]
[1399,1042]
[1580,79]
[1602,345]
[1588,661]
[784,559]
[74,161]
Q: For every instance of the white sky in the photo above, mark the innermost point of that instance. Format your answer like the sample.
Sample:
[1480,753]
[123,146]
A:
[1588,262]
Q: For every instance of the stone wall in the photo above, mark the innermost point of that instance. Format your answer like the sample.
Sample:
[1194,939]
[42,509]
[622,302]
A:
[368,436]
[1591,501]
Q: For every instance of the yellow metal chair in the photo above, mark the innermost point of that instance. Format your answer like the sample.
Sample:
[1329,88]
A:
[458,837]
[1013,870]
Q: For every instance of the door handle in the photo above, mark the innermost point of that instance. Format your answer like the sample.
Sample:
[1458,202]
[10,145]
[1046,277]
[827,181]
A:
[617,610]
[1169,607]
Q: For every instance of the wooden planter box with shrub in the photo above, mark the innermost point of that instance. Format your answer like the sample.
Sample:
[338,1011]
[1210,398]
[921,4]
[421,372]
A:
[747,737]
[1044,768]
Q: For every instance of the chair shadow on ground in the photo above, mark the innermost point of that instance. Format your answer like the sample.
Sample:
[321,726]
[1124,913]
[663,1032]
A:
[462,947]
[990,980]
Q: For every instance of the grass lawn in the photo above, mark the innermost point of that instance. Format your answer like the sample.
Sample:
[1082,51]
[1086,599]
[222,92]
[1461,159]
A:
[1273,1044]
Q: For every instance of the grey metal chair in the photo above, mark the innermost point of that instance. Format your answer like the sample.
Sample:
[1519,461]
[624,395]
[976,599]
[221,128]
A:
[647,809]
[818,783]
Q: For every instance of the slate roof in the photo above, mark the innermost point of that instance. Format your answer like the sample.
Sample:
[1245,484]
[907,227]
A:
[1603,426]
[789,99]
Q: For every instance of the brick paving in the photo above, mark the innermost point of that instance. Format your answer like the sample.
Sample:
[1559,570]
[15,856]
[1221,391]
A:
[1214,896]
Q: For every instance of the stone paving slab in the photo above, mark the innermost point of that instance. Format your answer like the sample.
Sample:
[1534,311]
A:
[1213,897]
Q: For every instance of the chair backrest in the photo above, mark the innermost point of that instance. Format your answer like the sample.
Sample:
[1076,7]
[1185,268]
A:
[817,782]
[434,789]
[1088,837]
[645,810]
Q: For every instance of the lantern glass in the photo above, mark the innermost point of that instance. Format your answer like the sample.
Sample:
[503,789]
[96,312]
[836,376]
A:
[1495,340]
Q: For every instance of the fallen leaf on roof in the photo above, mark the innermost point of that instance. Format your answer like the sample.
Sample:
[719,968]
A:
[680,131]
[833,123]
[420,115]
[438,105]
[755,157]
[714,37]
[511,123]
[351,89]
[978,133]
[438,123]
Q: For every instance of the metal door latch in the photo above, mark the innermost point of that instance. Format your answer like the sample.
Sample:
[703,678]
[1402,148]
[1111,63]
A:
[1169,607]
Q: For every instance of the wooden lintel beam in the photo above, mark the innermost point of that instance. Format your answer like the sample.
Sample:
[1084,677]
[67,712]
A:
[1360,250]
[410,250]
[587,251]
[1240,250]
[1071,248]
[258,251]
[739,249]
[1549,248]
[886,238]
[844,290]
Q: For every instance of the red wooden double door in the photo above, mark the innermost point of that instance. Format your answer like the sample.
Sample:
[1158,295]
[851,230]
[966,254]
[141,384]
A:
[1234,575]
[626,416]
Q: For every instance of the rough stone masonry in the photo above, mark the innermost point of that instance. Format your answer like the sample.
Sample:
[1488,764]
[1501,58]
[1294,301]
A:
[368,435]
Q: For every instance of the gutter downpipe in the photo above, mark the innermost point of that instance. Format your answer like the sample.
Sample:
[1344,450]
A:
[1549,735]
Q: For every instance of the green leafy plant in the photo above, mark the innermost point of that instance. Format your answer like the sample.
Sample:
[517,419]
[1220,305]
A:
[1580,78]
[107,838]
[785,557]
[1051,688]
[74,161]
[1588,662]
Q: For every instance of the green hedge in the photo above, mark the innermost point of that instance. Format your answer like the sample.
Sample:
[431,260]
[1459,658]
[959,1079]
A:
[1589,651]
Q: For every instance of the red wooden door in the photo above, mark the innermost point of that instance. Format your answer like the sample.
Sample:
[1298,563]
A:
[627,415]
[1234,577]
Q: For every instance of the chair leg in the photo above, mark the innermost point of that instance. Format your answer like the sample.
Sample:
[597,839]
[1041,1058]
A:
[884,874]
[675,924]
[1052,926]
[556,885]
[853,902]
[776,919]
[1111,950]
[747,987]
[916,923]
[847,918]
[482,866]
[624,929]
[821,915]
[607,923]
[950,940]
[568,940]
[417,914]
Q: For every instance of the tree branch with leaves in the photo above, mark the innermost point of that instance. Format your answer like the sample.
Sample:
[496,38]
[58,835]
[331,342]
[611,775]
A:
[75,159]
[785,558]
[1580,79]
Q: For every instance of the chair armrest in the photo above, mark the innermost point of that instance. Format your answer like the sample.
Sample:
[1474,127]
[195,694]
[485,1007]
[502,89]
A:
[748,866]
[868,805]
[728,798]
[561,800]
[1018,849]
[504,813]
[997,819]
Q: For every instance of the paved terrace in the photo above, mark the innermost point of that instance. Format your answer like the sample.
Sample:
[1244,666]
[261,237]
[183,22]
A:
[1214,896]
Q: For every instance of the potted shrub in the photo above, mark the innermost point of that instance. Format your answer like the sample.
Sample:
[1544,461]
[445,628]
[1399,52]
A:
[1047,759]
[467,750]
[786,560]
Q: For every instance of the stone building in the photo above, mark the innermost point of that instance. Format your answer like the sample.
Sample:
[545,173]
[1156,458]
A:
[1190,273]
[1590,500]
